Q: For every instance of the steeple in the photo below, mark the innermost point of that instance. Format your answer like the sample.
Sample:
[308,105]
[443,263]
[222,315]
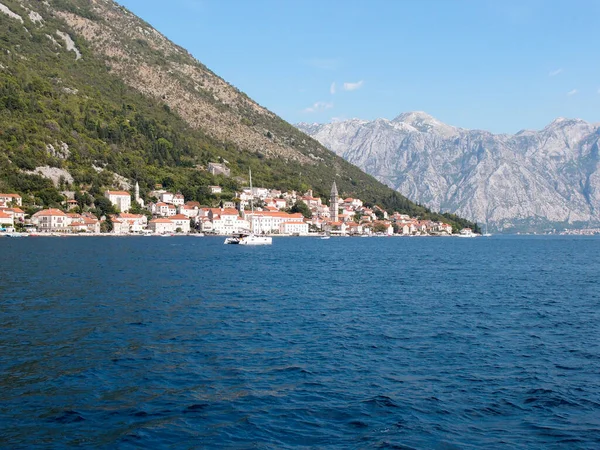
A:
[333,204]
[137,195]
[334,190]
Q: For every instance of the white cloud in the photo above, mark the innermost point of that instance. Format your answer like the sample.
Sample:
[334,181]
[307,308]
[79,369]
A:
[332,88]
[318,106]
[353,86]
[572,92]
[555,72]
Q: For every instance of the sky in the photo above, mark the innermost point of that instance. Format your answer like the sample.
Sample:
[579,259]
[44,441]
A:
[498,65]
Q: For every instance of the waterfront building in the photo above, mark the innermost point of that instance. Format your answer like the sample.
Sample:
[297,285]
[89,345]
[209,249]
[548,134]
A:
[50,220]
[6,220]
[181,221]
[227,221]
[296,228]
[161,226]
[135,222]
[119,226]
[269,222]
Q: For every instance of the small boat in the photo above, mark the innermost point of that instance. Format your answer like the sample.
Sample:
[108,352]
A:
[325,237]
[16,235]
[486,234]
[467,233]
[249,238]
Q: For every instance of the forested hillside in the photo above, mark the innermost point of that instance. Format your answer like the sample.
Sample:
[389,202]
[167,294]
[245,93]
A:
[65,108]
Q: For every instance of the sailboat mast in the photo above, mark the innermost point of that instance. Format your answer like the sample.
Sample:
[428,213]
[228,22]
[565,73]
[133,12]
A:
[251,201]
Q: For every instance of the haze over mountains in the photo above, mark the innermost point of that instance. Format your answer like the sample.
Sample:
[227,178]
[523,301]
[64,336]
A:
[529,181]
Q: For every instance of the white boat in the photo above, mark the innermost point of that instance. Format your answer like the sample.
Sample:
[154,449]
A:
[16,235]
[249,238]
[486,234]
[467,233]
[325,237]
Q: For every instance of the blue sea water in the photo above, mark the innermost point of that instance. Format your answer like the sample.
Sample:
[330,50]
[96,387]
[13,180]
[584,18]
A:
[342,343]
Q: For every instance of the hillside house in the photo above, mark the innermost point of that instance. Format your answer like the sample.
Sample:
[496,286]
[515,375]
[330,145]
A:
[120,199]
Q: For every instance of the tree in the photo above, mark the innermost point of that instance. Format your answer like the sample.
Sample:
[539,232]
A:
[380,227]
[302,208]
[107,226]
[103,206]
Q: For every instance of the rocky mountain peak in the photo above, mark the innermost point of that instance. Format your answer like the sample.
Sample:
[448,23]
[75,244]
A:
[425,123]
[533,180]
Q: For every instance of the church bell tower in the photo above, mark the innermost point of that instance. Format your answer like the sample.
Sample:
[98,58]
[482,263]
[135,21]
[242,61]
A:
[333,204]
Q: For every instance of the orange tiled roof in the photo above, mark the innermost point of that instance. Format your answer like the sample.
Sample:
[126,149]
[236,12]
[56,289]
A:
[225,211]
[276,214]
[119,193]
[50,212]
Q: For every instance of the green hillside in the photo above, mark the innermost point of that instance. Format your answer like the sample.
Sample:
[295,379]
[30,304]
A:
[49,97]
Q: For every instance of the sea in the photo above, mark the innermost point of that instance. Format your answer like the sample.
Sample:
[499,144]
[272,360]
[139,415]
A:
[400,343]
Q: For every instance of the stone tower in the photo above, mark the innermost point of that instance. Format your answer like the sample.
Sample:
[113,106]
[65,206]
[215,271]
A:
[333,204]
[137,195]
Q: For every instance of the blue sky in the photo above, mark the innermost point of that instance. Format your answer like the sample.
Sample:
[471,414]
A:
[499,65]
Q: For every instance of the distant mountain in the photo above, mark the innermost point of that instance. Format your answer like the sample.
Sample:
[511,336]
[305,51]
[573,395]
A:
[91,97]
[530,181]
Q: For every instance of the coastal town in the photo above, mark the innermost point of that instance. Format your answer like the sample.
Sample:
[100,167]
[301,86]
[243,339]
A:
[259,210]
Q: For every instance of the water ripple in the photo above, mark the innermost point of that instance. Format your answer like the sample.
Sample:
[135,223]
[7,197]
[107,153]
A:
[346,343]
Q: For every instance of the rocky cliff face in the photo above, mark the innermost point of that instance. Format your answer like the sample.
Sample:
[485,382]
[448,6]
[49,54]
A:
[533,180]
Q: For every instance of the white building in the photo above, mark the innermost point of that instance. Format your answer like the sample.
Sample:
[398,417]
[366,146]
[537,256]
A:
[166,197]
[120,199]
[119,226]
[7,198]
[215,189]
[17,214]
[268,222]
[135,222]
[6,220]
[48,220]
[163,209]
[299,228]
[190,211]
[181,221]
[161,226]
[178,200]
[227,221]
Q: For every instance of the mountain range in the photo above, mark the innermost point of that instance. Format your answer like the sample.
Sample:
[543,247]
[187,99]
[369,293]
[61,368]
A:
[529,181]
[93,97]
